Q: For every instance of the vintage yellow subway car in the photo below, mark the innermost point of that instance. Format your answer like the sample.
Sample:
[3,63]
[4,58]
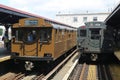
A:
[38,39]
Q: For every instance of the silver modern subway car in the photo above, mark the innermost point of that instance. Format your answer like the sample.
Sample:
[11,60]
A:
[91,40]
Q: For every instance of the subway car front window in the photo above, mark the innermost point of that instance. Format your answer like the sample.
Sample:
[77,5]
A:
[45,35]
[30,36]
[83,33]
[95,33]
[17,34]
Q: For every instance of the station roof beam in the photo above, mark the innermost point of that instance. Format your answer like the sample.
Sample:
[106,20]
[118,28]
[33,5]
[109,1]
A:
[10,15]
[114,18]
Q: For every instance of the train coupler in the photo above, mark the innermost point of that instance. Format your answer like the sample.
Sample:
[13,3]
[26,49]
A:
[29,65]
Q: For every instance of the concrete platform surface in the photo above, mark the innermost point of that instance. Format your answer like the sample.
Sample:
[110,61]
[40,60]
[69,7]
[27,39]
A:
[5,57]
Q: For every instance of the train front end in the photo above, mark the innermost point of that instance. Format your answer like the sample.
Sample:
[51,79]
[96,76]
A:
[91,39]
[32,42]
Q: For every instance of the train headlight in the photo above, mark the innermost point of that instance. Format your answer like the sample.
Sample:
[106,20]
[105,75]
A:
[47,55]
[28,65]
[110,45]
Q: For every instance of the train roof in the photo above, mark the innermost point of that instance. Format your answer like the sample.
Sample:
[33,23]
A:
[91,24]
[94,22]
[56,26]
[82,27]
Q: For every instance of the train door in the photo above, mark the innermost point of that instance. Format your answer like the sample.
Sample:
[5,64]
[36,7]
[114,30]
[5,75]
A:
[82,33]
[30,45]
[94,39]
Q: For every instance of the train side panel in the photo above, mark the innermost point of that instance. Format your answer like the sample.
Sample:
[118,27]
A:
[36,40]
[49,41]
[64,42]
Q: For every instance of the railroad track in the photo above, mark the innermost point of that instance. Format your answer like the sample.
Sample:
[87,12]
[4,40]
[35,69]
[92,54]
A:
[21,76]
[39,77]
[79,72]
[12,76]
[36,75]
[90,72]
[84,72]
[104,72]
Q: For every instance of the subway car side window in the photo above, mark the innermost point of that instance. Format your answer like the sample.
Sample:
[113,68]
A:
[45,34]
[18,34]
[83,33]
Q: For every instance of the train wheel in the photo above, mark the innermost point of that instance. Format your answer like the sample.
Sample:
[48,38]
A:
[94,57]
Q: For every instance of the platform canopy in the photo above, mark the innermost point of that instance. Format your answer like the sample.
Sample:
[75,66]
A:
[10,15]
[114,18]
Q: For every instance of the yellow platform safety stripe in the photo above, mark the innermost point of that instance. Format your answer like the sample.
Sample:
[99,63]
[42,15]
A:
[92,73]
[117,54]
[5,58]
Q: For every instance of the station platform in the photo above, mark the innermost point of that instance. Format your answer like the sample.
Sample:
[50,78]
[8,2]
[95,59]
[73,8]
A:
[4,58]
[117,54]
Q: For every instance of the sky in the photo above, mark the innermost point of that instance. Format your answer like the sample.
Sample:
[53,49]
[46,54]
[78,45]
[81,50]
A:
[49,8]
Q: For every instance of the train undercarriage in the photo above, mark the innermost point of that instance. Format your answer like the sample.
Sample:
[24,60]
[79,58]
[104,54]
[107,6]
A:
[95,57]
[30,63]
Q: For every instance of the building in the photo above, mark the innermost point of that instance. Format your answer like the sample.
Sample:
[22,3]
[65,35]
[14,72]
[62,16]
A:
[77,20]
